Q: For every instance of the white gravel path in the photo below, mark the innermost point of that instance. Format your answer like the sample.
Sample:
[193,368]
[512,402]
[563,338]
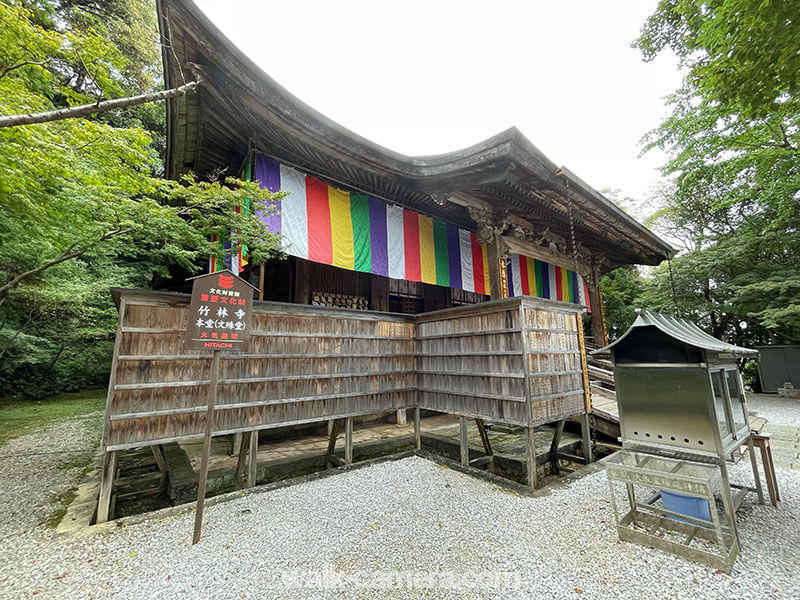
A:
[401,529]
[32,472]
[404,529]
[778,411]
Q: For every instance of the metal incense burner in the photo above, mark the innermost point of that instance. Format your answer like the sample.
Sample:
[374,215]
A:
[683,417]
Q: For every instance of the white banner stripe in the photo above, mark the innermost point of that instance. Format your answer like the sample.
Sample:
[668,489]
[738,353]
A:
[294,215]
[467,275]
[396,243]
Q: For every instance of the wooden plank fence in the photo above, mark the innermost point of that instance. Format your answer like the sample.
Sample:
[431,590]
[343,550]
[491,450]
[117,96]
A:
[517,360]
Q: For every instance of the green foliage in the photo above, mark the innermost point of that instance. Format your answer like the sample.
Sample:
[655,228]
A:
[734,142]
[621,289]
[741,54]
[81,211]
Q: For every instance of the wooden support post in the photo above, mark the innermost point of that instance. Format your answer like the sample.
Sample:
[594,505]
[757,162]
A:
[487,446]
[335,428]
[463,441]
[252,471]
[240,477]
[261,270]
[237,444]
[348,441]
[158,455]
[106,486]
[495,251]
[555,444]
[586,438]
[201,484]
[417,430]
[598,314]
[530,456]
[402,417]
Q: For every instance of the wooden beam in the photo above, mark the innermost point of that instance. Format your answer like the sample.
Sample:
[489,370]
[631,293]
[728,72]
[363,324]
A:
[336,426]
[554,445]
[261,270]
[586,438]
[348,441]
[240,478]
[587,397]
[463,441]
[252,471]
[106,486]
[487,446]
[417,429]
[158,455]
[530,456]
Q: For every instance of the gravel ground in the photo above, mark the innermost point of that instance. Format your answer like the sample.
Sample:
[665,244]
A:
[35,469]
[779,411]
[408,528]
[400,529]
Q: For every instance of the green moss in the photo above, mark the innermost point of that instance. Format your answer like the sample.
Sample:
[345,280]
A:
[19,417]
[63,500]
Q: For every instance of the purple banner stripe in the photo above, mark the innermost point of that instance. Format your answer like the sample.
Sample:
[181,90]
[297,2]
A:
[377,226]
[454,256]
[510,277]
[268,175]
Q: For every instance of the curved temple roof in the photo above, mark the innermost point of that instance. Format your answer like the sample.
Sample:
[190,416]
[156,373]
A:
[239,108]
[682,330]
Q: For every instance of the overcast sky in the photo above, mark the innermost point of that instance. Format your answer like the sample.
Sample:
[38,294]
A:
[424,77]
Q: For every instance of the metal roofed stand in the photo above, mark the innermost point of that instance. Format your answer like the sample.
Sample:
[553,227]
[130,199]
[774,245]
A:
[683,417]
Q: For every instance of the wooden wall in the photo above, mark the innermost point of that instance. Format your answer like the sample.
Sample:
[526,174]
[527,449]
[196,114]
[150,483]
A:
[514,360]
[305,364]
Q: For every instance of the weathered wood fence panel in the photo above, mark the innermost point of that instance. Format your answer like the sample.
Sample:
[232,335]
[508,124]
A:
[305,364]
[470,361]
[515,360]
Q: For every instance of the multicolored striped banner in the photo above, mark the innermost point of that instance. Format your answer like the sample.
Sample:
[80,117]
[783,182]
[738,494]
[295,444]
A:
[531,277]
[354,231]
[237,261]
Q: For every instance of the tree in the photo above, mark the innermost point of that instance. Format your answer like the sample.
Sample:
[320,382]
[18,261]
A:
[734,142]
[741,54]
[81,210]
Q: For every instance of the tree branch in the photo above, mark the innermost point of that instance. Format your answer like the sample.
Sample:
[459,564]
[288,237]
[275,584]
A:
[68,254]
[25,63]
[88,109]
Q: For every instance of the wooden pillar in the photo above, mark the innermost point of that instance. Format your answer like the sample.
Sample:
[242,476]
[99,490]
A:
[402,417]
[463,441]
[252,471]
[379,294]
[530,456]
[348,441]
[237,444]
[106,486]
[586,438]
[598,313]
[417,430]
[240,478]
[336,425]
[555,444]
[495,251]
[261,273]
[302,285]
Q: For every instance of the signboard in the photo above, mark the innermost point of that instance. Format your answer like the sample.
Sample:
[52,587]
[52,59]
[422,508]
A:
[219,313]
